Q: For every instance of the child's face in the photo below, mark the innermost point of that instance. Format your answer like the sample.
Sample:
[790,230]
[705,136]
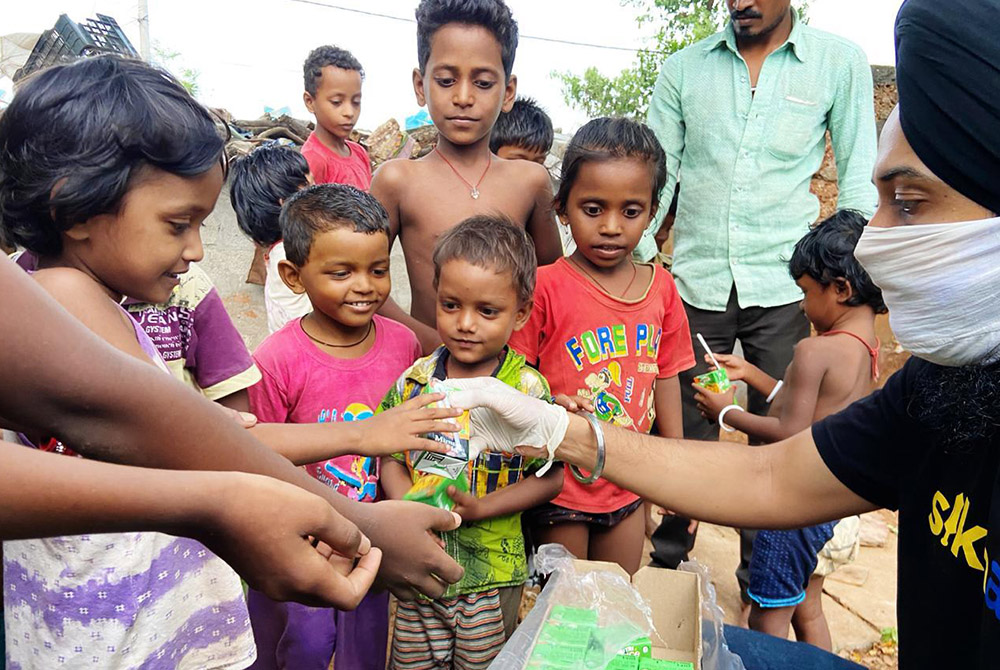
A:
[463,83]
[337,103]
[608,208]
[535,155]
[346,275]
[154,237]
[820,303]
[477,310]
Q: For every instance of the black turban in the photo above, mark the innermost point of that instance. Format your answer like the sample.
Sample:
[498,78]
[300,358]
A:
[948,73]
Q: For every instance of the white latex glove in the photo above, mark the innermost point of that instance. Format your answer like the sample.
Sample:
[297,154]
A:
[502,418]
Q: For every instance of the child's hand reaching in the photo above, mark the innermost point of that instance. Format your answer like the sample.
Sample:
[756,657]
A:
[467,506]
[736,367]
[400,428]
[573,403]
[709,403]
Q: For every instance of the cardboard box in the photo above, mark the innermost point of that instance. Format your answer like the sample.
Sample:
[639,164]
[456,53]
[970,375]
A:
[675,598]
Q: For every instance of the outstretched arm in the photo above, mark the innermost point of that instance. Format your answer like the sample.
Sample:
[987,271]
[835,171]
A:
[64,380]
[265,537]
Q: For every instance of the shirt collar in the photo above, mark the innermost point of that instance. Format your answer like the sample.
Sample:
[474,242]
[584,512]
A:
[727,38]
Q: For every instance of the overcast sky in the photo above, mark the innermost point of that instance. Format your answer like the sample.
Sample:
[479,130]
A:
[249,52]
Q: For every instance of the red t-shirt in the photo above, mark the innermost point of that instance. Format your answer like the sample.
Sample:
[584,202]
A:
[588,343]
[329,168]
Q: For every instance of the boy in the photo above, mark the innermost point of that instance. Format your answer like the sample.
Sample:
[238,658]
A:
[525,133]
[465,56]
[484,273]
[827,373]
[259,184]
[332,78]
[334,364]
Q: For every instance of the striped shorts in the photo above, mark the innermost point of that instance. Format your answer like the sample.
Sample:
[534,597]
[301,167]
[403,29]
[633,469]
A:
[464,633]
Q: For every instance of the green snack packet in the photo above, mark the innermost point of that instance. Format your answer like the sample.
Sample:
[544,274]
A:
[659,664]
[716,381]
[624,662]
[641,647]
[433,490]
[566,635]
[575,615]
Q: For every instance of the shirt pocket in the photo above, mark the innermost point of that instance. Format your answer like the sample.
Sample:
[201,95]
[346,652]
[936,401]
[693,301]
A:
[795,127]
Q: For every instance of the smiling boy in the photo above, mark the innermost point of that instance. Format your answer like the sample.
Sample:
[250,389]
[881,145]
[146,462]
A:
[332,78]
[466,54]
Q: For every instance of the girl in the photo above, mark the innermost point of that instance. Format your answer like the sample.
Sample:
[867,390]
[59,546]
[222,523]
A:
[607,329]
[107,171]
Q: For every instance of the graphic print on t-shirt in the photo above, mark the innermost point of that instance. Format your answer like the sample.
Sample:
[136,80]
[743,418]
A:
[610,393]
[355,477]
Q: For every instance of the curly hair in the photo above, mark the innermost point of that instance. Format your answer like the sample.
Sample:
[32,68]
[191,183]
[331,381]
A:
[320,57]
[494,15]
[77,136]
[826,253]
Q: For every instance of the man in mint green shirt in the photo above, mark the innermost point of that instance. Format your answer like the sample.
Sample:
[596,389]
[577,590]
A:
[742,116]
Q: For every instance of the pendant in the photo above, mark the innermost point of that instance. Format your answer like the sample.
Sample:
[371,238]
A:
[475,193]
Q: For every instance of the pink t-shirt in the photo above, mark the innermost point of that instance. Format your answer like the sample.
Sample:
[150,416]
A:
[588,343]
[329,168]
[301,384]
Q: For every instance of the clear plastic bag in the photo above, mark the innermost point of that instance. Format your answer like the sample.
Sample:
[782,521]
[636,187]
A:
[622,614]
[715,653]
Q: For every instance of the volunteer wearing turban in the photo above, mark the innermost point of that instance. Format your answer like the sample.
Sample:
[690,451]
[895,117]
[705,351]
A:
[928,444]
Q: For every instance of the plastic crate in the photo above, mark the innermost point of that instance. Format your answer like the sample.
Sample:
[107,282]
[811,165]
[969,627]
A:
[70,40]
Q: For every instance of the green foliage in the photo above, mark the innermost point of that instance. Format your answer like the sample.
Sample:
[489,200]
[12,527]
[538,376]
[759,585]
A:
[678,23]
[167,59]
[890,635]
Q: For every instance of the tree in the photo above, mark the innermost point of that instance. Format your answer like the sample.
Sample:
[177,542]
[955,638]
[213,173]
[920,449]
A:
[188,77]
[679,23]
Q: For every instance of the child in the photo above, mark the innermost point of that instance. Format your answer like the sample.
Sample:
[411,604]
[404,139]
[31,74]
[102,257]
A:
[332,94]
[259,184]
[132,168]
[827,373]
[525,133]
[332,365]
[465,56]
[608,329]
[484,273]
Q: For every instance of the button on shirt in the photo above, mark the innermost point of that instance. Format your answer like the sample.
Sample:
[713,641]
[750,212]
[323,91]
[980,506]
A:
[746,159]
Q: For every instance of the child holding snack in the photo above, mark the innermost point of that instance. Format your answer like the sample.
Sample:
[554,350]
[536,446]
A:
[608,329]
[523,133]
[484,273]
[464,75]
[332,365]
[827,373]
[259,183]
[332,78]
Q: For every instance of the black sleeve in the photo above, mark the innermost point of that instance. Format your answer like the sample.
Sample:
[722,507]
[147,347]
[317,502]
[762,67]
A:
[863,445]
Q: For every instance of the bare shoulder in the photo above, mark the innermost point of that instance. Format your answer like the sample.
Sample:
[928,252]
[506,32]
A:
[82,297]
[391,175]
[526,172]
[816,353]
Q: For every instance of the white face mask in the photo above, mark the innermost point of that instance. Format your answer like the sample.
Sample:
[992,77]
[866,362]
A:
[941,283]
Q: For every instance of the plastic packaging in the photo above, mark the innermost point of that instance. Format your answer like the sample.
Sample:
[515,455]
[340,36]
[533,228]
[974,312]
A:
[433,490]
[716,381]
[715,653]
[453,463]
[580,620]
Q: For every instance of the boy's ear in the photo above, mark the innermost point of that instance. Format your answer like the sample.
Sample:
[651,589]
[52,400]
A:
[522,315]
[308,100]
[844,289]
[418,87]
[290,274]
[509,93]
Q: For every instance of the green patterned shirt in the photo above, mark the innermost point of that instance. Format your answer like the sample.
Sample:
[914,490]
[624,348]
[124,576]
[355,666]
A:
[746,159]
[491,551]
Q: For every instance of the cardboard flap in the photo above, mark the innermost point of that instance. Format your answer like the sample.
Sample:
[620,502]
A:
[675,598]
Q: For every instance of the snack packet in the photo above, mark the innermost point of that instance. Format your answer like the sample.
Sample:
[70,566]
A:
[453,463]
[433,490]
[716,381]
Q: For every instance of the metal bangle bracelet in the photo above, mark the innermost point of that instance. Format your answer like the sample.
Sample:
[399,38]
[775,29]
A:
[595,426]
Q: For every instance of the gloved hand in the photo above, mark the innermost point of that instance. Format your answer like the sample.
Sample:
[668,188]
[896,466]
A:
[503,418]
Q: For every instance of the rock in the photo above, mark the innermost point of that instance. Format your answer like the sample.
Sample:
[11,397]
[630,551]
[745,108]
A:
[874,530]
